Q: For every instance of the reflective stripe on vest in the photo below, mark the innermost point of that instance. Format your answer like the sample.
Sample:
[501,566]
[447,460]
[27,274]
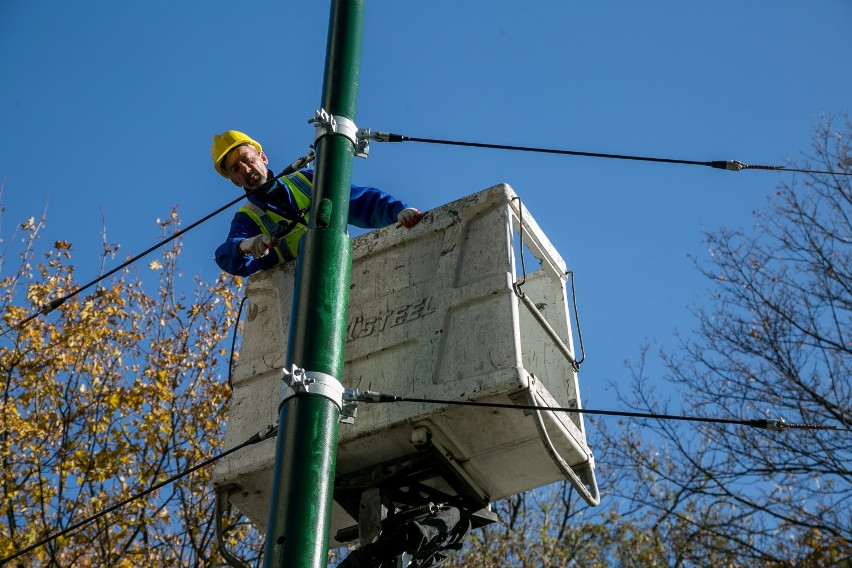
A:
[269,221]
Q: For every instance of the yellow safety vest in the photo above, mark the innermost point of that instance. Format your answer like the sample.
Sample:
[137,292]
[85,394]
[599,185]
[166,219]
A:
[269,222]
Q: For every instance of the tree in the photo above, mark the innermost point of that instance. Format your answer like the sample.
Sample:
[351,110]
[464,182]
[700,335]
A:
[115,392]
[550,527]
[775,343]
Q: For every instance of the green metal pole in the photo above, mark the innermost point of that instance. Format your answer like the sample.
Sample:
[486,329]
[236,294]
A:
[306,451]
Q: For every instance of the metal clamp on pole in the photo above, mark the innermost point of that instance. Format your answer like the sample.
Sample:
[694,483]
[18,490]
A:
[326,124]
[350,405]
[299,382]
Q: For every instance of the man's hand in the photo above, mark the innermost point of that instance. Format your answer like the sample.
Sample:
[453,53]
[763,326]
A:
[256,246]
[409,217]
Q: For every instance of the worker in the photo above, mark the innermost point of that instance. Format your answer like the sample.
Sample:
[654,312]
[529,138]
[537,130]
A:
[265,232]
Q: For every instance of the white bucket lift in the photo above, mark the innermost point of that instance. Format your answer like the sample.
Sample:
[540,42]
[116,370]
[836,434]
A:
[433,314]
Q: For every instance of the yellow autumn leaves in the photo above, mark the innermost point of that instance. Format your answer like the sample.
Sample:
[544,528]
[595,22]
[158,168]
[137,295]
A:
[116,390]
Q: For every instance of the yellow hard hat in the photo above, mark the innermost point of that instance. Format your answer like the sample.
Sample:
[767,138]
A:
[224,143]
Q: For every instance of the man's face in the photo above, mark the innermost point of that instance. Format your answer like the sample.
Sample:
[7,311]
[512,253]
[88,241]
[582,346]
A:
[246,166]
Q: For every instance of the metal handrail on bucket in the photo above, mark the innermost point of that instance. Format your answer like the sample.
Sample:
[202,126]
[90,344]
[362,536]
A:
[590,495]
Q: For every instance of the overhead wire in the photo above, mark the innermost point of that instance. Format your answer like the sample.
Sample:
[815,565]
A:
[259,437]
[366,134]
[730,165]
[767,424]
[376,397]
[48,307]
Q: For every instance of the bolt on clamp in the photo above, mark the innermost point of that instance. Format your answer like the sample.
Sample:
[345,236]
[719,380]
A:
[326,124]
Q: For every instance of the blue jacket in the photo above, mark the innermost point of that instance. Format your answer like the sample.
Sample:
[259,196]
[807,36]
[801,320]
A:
[369,208]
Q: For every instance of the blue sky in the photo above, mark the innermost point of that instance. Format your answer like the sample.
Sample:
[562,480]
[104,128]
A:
[111,107]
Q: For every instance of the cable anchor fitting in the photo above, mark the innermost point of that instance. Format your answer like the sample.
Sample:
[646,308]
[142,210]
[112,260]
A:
[299,382]
[367,134]
[301,163]
[326,124]
[774,424]
[730,165]
[48,307]
[356,395]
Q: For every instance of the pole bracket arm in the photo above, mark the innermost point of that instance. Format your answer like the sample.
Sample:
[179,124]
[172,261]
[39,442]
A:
[326,124]
[297,381]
